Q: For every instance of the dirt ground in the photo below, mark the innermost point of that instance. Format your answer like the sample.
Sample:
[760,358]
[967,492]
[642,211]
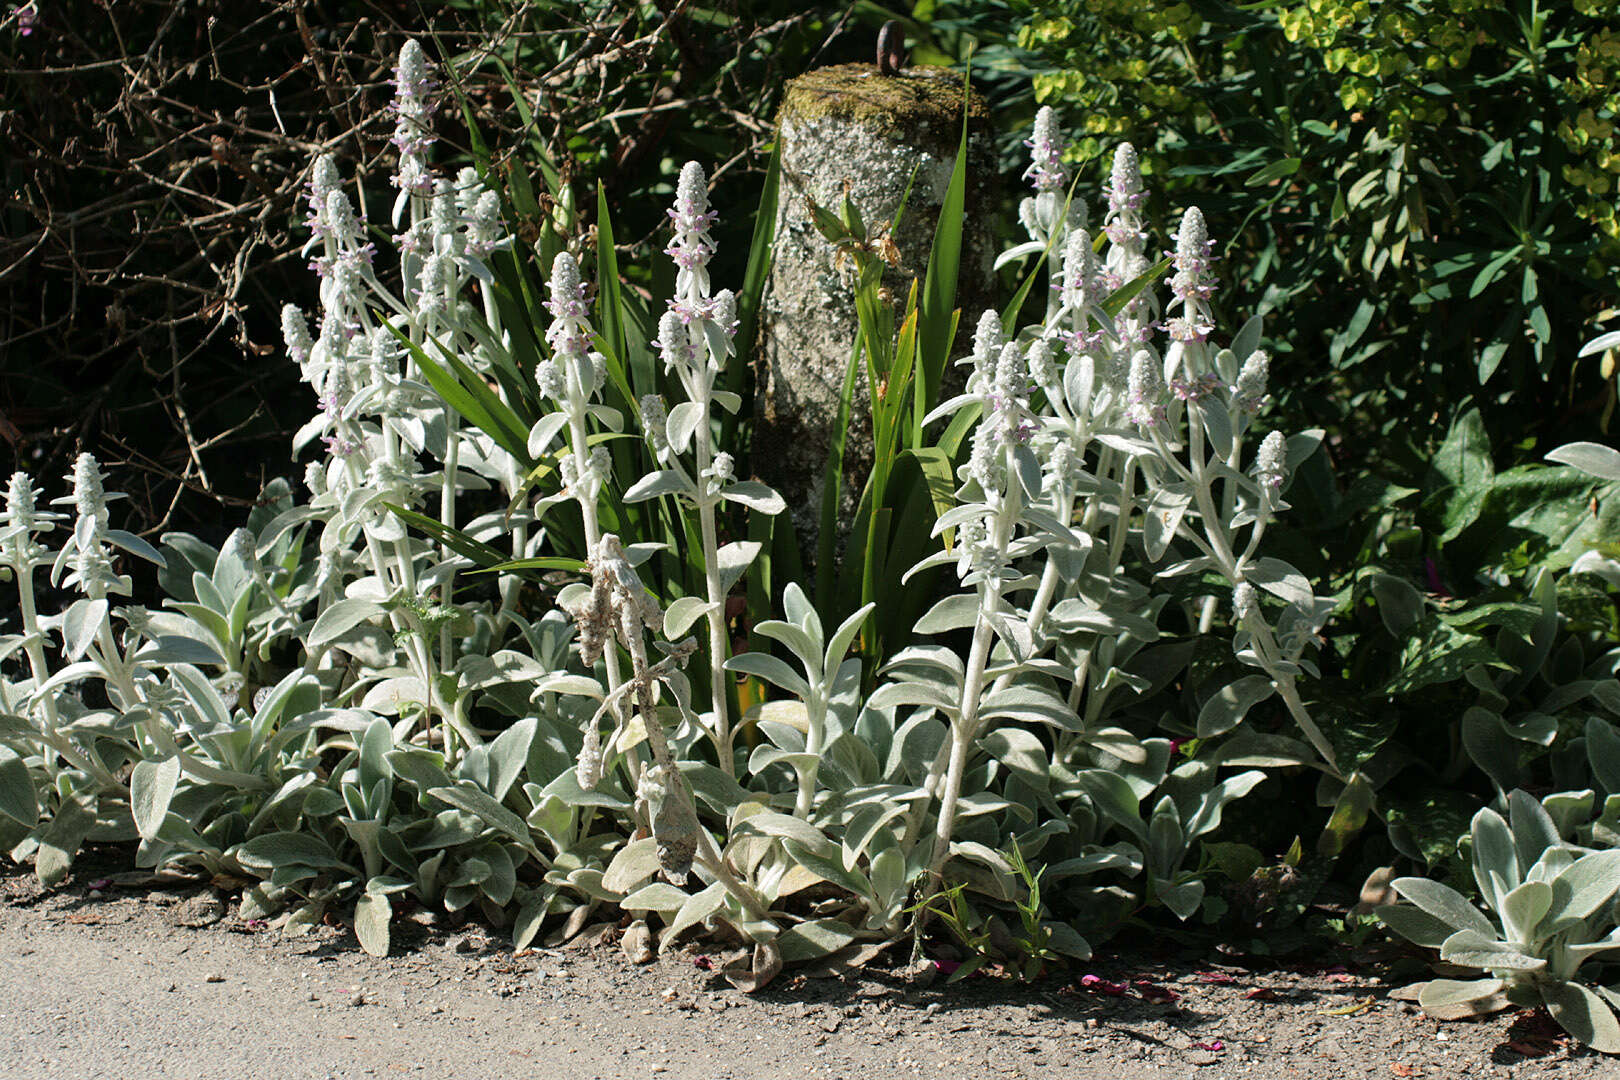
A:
[119,975]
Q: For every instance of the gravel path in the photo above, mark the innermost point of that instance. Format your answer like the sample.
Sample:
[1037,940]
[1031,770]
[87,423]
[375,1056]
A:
[139,981]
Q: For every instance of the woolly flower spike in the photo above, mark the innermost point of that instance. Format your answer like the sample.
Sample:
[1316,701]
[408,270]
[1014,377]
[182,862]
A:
[569,334]
[1042,370]
[485,231]
[295,332]
[1250,390]
[341,222]
[987,463]
[548,376]
[20,511]
[1193,284]
[413,80]
[444,217]
[655,422]
[414,105]
[1046,153]
[1082,284]
[1142,391]
[1008,397]
[588,767]
[89,494]
[1245,601]
[675,343]
[438,282]
[1271,463]
[987,342]
[691,247]
[723,312]
[1125,192]
[469,187]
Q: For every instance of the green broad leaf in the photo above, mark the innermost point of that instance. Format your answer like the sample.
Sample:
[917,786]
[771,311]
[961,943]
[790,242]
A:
[1593,459]
[531,916]
[755,496]
[1523,909]
[1451,994]
[340,618]
[682,613]
[1227,708]
[272,851]
[474,800]
[1414,924]
[1426,827]
[80,624]
[956,612]
[1277,170]
[659,896]
[770,823]
[60,839]
[814,939]
[1400,605]
[1349,815]
[662,482]
[1022,753]
[151,790]
[1470,948]
[1496,863]
[699,906]
[1444,903]
[372,914]
[827,865]
[1114,796]
[1438,653]
[18,800]
[1589,883]
[733,561]
[1583,1014]
[632,864]
[772,670]
[508,754]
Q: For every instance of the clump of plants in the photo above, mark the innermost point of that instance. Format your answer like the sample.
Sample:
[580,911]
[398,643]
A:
[502,658]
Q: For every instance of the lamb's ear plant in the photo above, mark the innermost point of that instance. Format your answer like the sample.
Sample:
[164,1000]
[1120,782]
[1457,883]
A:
[695,341]
[1554,908]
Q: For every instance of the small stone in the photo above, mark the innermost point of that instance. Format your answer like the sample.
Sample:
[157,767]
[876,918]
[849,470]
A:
[95,894]
[637,943]
[436,1010]
[357,999]
[1091,1023]
[215,978]
[465,944]
[1202,1058]
[204,909]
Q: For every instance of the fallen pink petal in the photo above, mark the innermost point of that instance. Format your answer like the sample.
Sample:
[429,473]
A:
[1216,978]
[1214,1046]
[1103,986]
[1155,993]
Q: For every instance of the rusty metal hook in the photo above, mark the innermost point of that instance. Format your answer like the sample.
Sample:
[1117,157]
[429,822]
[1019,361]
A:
[891,48]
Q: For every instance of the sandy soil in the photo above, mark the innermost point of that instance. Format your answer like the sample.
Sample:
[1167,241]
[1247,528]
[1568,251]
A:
[112,976]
